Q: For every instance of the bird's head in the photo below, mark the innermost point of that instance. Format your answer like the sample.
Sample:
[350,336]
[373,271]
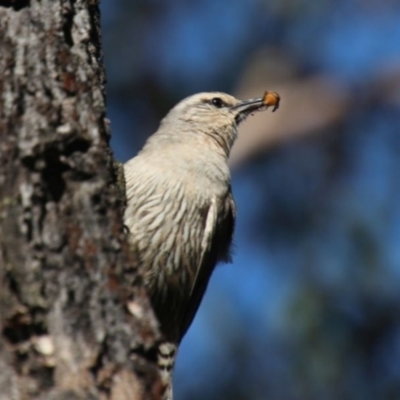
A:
[216,115]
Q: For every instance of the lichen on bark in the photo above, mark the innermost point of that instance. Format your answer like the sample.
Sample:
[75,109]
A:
[67,278]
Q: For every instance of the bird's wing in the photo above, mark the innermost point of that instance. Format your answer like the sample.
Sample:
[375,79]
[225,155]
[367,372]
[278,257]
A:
[217,237]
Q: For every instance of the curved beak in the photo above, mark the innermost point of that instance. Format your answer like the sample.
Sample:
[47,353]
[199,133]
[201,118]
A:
[250,105]
[244,108]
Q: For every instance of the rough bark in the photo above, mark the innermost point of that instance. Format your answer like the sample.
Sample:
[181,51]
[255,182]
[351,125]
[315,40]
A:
[74,320]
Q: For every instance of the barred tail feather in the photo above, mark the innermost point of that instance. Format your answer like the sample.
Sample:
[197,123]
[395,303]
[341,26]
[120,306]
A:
[166,360]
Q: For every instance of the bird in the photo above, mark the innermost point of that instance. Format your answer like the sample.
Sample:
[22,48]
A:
[180,211]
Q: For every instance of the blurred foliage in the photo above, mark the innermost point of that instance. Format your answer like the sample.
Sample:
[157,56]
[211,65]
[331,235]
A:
[310,308]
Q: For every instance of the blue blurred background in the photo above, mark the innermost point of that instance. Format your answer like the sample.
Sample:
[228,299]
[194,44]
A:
[310,308]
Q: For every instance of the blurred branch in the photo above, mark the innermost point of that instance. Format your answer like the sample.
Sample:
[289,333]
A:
[307,106]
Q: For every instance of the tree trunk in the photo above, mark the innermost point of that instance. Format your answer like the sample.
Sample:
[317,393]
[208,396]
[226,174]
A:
[74,319]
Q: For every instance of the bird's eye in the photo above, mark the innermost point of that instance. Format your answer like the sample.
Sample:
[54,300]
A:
[217,102]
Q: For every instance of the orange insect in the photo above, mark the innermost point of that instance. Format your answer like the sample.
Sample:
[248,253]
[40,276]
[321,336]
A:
[271,99]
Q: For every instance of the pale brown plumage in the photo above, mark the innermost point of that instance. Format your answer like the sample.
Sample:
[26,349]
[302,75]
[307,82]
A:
[180,210]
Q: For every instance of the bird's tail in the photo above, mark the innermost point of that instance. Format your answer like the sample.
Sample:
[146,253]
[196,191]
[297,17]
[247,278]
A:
[166,360]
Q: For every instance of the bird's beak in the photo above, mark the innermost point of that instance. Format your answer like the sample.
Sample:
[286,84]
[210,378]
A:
[246,107]
[249,106]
